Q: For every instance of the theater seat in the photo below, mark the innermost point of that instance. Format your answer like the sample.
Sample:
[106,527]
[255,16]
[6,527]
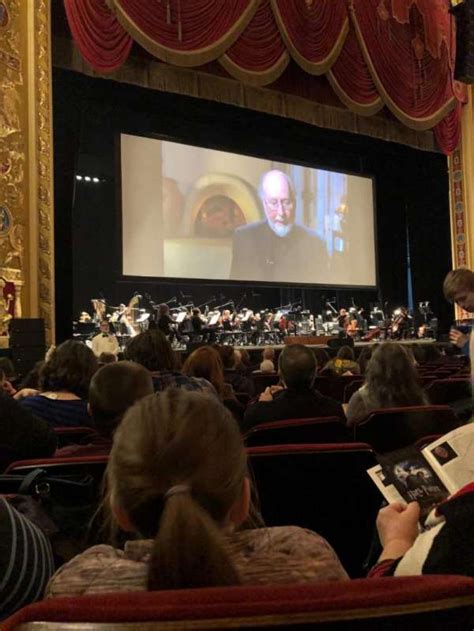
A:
[328,429]
[436,603]
[73,435]
[262,381]
[393,428]
[71,465]
[321,487]
[444,391]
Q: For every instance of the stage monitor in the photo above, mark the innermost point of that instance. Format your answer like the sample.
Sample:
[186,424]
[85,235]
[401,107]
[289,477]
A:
[196,213]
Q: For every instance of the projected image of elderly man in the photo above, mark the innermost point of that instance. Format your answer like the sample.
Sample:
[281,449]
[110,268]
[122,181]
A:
[277,248]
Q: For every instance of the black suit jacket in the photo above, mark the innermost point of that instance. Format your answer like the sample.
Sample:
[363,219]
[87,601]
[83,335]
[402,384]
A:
[259,254]
[289,404]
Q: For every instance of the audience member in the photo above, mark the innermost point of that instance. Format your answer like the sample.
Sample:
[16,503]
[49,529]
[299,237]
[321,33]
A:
[152,350]
[64,386]
[205,362]
[343,364]
[296,398]
[178,475]
[322,358]
[107,358]
[365,355]
[236,378]
[443,547]
[391,381]
[268,357]
[22,435]
[458,287]
[26,560]
[31,381]
[114,388]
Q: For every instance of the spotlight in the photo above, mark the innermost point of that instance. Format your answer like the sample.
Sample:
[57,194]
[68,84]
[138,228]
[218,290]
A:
[87,178]
[78,177]
[95,179]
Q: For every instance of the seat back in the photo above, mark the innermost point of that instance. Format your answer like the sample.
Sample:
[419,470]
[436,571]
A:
[298,431]
[444,391]
[393,428]
[73,435]
[352,386]
[59,467]
[262,381]
[321,487]
[405,603]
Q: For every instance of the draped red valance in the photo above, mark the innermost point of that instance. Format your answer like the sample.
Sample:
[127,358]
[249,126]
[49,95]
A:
[397,53]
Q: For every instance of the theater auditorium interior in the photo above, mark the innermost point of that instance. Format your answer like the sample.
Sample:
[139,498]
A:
[237,274]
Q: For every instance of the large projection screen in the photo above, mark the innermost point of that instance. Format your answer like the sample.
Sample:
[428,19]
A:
[196,213]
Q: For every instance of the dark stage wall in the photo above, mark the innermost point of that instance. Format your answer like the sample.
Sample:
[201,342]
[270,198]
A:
[411,192]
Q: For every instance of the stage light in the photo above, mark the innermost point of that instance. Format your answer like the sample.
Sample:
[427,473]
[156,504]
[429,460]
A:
[397,311]
[87,178]
[78,177]
[95,179]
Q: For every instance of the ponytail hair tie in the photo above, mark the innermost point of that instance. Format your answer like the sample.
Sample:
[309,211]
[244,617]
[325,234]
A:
[174,490]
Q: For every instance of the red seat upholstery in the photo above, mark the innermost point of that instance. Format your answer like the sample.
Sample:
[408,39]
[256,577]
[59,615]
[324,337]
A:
[393,428]
[409,603]
[443,391]
[71,465]
[328,429]
[321,487]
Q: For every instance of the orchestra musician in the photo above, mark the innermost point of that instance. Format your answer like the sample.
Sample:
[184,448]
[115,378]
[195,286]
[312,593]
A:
[165,322]
[226,320]
[105,341]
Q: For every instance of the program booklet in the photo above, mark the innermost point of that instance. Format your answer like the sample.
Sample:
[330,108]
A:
[428,476]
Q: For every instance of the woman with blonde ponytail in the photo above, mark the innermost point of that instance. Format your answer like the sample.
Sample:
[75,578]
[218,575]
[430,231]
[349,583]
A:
[178,480]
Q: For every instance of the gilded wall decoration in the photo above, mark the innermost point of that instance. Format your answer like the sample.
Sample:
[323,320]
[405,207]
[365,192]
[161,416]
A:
[26,209]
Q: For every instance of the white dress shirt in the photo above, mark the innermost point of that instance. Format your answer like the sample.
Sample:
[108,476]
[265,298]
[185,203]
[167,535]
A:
[105,343]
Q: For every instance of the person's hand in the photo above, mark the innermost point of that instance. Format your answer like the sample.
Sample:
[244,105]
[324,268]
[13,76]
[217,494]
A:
[397,525]
[25,392]
[274,389]
[266,395]
[8,388]
[457,338]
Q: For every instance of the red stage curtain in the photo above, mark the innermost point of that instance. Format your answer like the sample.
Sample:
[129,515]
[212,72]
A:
[313,30]
[103,43]
[350,79]
[415,85]
[259,56]
[399,53]
[185,32]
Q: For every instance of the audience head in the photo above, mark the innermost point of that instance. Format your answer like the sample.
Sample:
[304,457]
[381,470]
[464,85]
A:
[178,473]
[458,287]
[152,350]
[107,358]
[365,355]
[69,368]
[297,366]
[268,353]
[114,388]
[322,356]
[392,378]
[227,354]
[267,366]
[205,362]
[346,352]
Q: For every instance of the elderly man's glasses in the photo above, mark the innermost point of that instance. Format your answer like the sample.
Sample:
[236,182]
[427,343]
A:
[275,203]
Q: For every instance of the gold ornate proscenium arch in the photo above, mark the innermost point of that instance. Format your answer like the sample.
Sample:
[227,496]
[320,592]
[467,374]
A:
[26,171]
